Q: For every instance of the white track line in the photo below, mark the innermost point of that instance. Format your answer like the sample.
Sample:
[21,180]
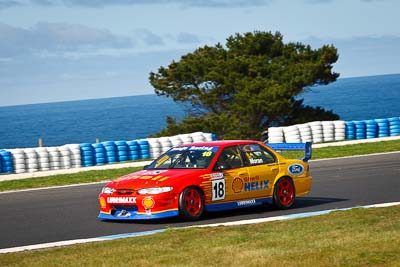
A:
[242,222]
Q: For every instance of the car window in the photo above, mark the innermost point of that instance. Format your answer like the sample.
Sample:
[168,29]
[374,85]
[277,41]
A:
[186,157]
[230,158]
[257,155]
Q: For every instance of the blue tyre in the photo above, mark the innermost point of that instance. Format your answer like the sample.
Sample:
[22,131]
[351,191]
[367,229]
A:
[108,143]
[87,153]
[134,157]
[123,158]
[111,153]
[111,159]
[122,153]
[101,160]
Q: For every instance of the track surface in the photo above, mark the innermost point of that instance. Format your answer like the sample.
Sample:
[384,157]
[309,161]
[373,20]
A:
[58,214]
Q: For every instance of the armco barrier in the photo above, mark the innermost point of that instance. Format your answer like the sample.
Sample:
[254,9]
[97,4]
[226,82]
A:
[87,154]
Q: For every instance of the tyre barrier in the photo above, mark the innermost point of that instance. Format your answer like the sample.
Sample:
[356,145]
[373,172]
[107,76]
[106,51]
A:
[316,132]
[328,131]
[87,154]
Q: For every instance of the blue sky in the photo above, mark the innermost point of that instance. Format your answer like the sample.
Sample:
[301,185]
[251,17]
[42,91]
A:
[81,49]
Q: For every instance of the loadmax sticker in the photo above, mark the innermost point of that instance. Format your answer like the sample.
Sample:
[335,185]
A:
[121,200]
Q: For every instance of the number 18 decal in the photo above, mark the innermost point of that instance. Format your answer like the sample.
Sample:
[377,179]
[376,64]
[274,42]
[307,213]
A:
[218,189]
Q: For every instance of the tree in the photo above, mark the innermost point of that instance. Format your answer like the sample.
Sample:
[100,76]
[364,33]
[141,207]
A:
[252,83]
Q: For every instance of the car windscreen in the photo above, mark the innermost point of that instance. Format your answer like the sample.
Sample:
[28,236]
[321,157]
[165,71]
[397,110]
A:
[186,157]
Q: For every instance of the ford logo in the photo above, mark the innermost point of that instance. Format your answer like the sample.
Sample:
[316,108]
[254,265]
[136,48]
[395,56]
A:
[296,169]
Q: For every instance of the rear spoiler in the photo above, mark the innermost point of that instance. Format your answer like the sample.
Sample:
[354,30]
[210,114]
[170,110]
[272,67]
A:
[294,146]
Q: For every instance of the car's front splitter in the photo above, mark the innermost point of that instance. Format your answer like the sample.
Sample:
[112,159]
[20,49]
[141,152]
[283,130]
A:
[135,215]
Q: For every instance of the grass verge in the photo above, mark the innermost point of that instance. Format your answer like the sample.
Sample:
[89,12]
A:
[358,237]
[66,179]
[103,175]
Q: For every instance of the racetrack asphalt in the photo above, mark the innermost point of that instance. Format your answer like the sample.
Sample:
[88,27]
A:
[66,213]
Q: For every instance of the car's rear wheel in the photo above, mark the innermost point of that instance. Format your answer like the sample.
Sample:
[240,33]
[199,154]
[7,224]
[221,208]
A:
[191,203]
[284,193]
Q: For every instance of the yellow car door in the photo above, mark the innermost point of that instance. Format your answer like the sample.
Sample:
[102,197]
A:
[231,187]
[262,169]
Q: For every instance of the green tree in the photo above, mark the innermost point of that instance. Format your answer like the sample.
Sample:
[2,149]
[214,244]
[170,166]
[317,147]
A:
[252,83]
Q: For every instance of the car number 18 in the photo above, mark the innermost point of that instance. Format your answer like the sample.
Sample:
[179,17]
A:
[218,189]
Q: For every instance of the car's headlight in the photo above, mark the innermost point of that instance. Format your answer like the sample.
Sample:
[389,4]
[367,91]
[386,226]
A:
[154,190]
[107,190]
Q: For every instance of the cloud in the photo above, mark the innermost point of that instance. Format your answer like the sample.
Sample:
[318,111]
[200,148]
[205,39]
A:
[148,37]
[56,37]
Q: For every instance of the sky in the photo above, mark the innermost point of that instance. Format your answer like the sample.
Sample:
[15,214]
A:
[61,50]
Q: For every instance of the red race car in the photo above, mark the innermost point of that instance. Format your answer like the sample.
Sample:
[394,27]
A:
[193,178]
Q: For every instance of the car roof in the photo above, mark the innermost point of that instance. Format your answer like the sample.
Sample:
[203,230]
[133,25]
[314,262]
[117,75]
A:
[223,143]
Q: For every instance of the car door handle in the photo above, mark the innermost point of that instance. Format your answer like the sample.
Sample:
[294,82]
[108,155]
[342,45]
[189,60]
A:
[274,169]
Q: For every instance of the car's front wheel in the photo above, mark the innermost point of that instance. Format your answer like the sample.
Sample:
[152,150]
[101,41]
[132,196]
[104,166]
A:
[284,193]
[191,203]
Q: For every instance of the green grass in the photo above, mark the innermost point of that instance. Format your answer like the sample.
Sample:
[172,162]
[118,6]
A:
[66,179]
[104,175]
[359,237]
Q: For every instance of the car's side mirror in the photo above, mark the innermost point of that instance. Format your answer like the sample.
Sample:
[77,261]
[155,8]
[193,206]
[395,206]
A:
[146,167]
[221,167]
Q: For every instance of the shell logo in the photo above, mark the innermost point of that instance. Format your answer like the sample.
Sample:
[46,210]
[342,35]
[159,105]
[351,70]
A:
[237,185]
[148,202]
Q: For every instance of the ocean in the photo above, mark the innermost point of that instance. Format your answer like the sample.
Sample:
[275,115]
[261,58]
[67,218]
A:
[135,117]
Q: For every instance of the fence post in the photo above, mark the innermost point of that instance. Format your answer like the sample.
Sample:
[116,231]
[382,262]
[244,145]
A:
[40,142]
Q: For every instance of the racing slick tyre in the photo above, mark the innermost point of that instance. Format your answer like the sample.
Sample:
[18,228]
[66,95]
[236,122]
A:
[284,193]
[191,203]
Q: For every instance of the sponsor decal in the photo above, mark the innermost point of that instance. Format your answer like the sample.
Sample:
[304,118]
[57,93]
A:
[255,186]
[154,172]
[148,203]
[237,185]
[159,178]
[249,202]
[216,176]
[196,148]
[203,148]
[256,161]
[296,169]
[121,200]
[252,179]
[153,175]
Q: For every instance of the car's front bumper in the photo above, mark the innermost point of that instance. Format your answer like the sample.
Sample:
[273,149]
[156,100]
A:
[127,214]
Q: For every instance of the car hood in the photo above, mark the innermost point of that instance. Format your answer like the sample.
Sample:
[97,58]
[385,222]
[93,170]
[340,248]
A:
[153,178]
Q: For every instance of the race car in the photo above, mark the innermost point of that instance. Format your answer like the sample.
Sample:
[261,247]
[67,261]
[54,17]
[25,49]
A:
[212,176]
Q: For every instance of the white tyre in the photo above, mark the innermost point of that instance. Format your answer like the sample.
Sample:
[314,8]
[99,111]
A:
[44,165]
[44,160]
[317,136]
[32,166]
[18,155]
[18,161]
[55,164]
[20,166]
